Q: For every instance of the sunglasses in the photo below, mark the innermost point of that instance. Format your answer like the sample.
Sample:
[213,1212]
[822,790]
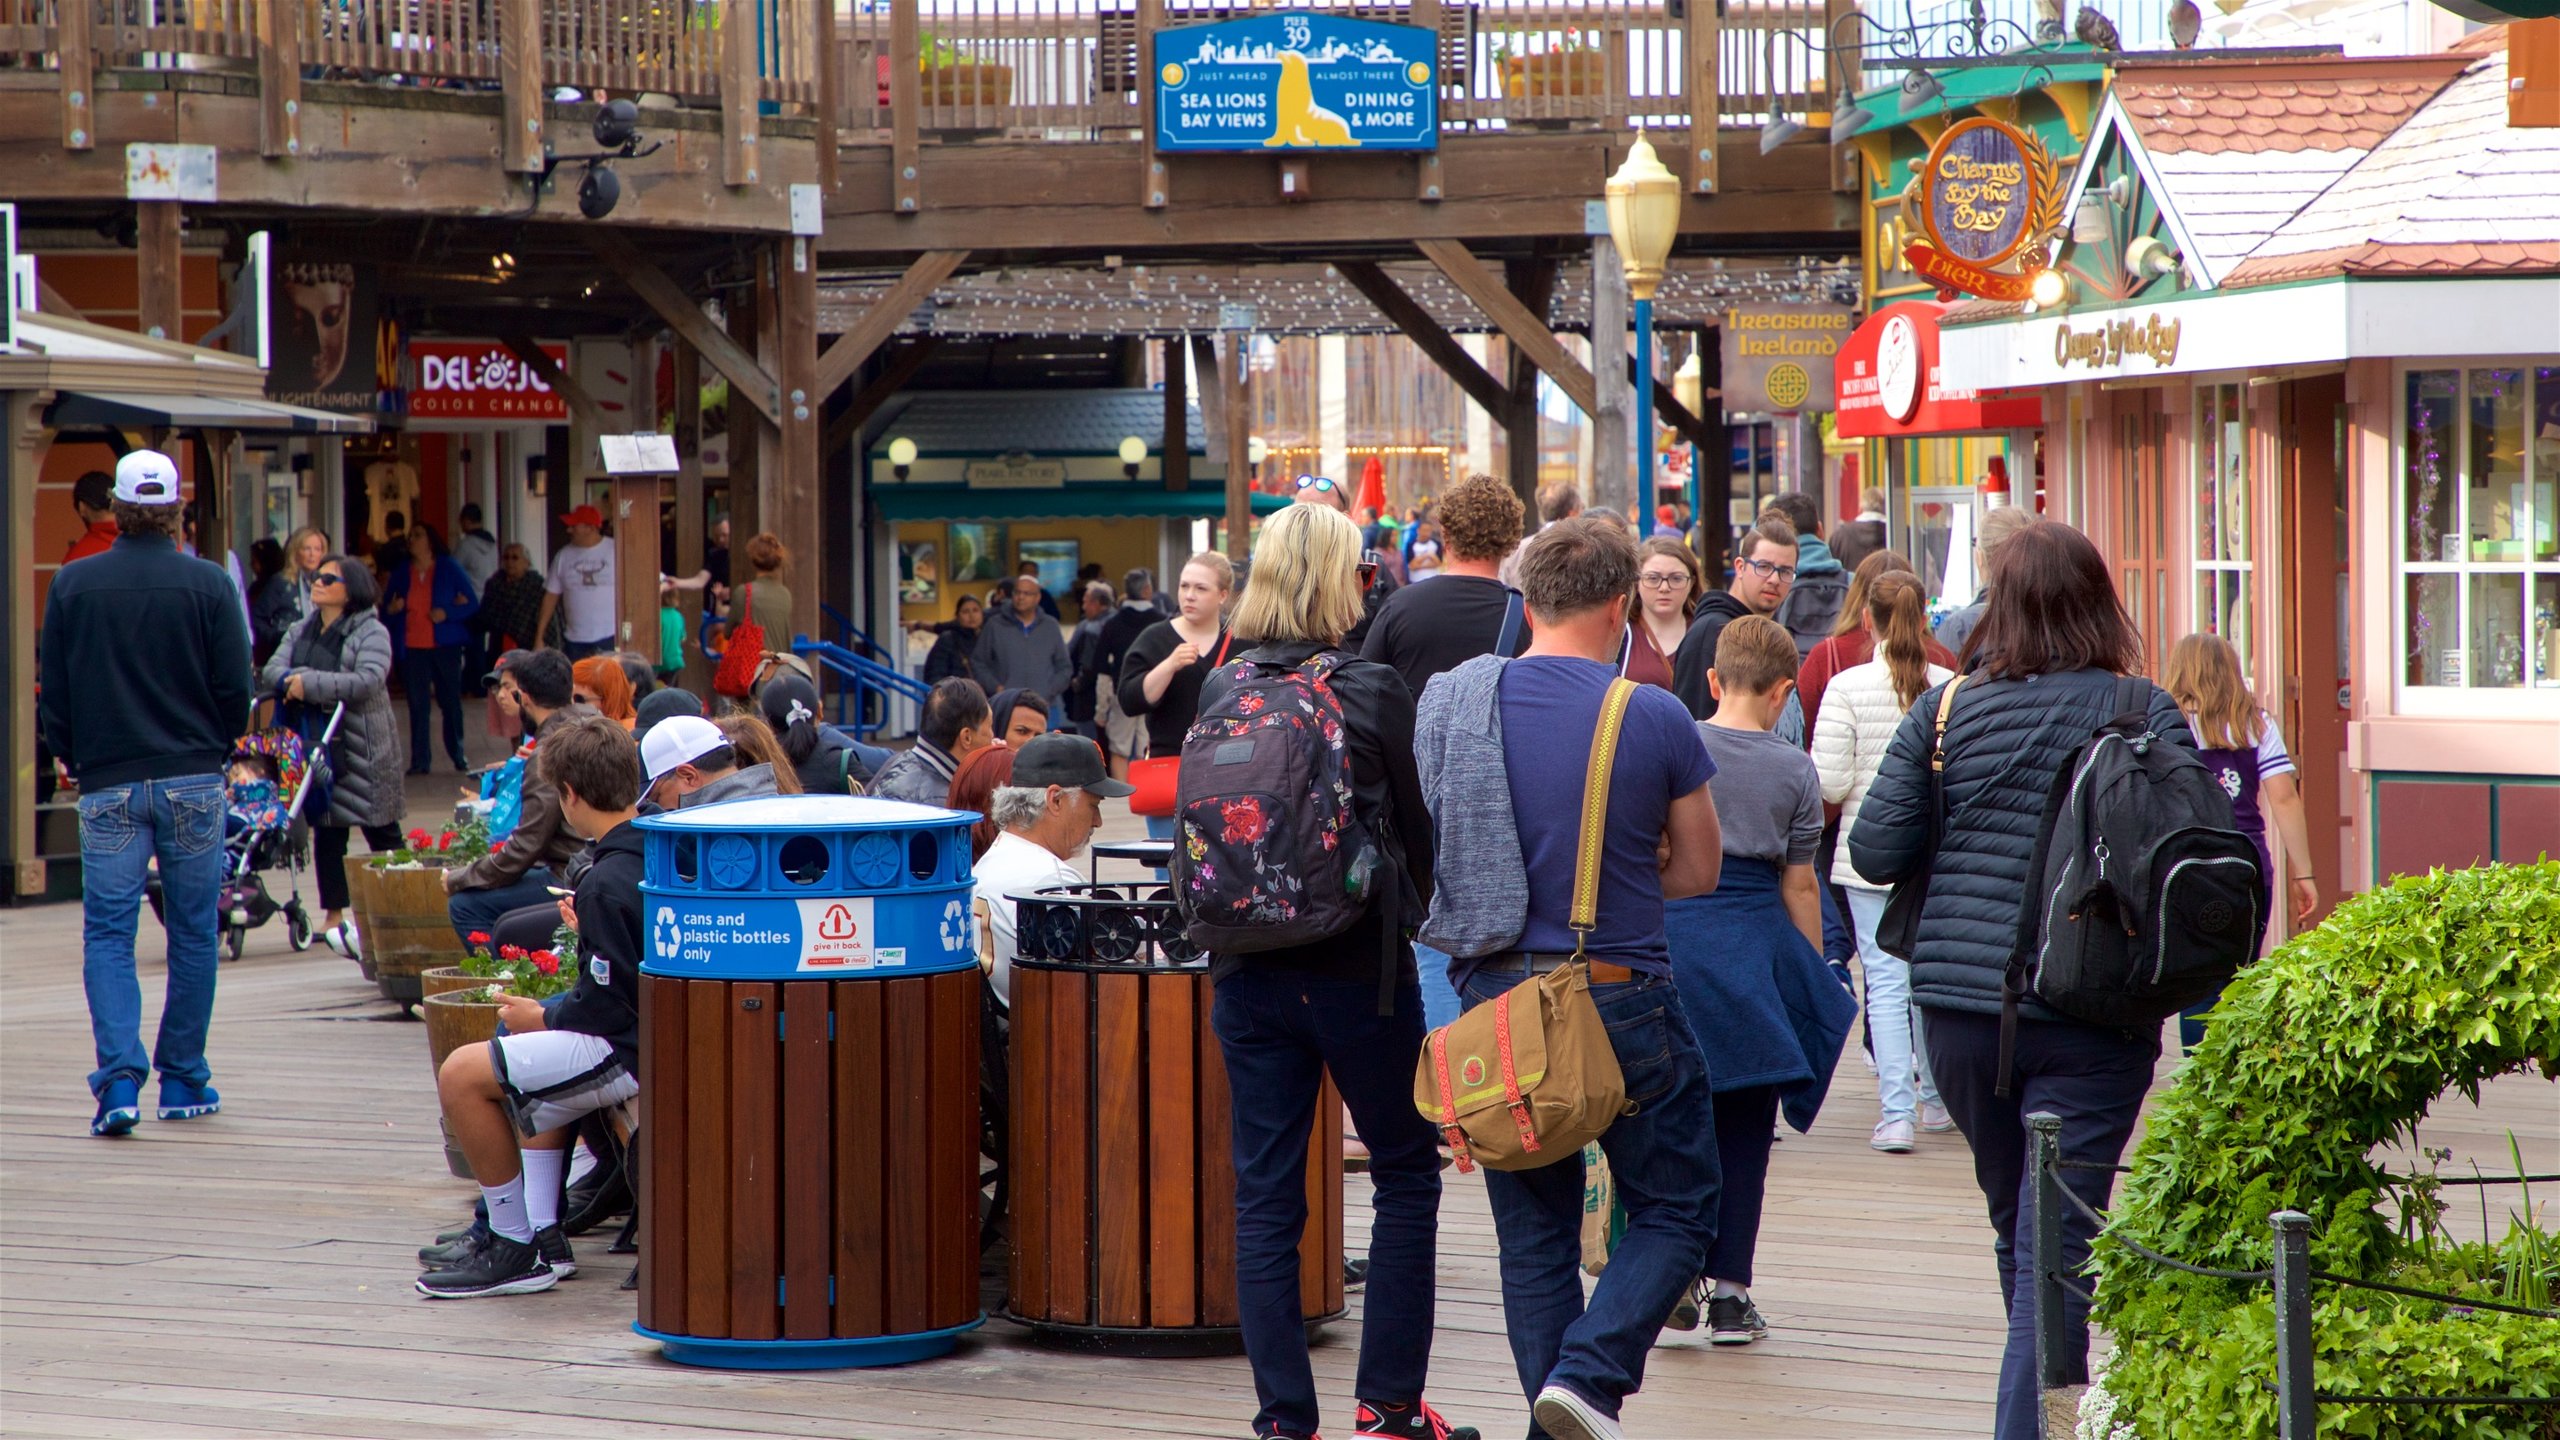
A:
[1315,482]
[328,578]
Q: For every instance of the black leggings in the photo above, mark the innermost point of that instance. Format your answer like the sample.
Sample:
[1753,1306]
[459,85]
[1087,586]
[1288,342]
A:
[329,857]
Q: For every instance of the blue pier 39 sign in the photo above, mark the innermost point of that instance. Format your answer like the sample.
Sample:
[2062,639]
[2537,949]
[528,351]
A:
[1297,81]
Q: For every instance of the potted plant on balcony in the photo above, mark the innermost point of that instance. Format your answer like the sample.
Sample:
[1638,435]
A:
[952,76]
[1565,65]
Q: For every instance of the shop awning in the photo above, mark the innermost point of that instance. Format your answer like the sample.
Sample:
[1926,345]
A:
[1142,500]
[1889,383]
[107,409]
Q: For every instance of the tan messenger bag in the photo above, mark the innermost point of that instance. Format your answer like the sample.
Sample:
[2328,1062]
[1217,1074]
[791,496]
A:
[1531,1078]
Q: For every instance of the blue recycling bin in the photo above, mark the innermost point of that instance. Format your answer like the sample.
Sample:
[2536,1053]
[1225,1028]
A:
[809,1071]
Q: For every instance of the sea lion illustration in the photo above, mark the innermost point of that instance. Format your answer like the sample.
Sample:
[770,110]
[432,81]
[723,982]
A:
[1298,119]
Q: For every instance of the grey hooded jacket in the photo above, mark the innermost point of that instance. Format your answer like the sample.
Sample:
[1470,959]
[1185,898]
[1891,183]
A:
[1481,902]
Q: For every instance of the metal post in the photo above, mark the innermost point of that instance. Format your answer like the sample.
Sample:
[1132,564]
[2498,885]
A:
[2044,1142]
[1644,417]
[2297,1408]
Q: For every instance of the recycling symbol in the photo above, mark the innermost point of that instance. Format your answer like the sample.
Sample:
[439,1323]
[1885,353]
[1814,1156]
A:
[664,938]
[955,926]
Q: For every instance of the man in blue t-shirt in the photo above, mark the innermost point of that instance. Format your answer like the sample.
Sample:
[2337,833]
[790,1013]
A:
[1578,1363]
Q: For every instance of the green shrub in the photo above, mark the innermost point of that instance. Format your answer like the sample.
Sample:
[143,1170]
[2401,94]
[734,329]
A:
[2337,1043]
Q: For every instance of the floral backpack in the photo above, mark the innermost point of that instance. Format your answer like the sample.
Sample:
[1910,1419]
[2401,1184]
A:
[1269,850]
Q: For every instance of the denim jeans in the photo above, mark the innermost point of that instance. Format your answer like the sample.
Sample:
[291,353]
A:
[1439,997]
[1662,1158]
[2094,1079]
[122,827]
[479,909]
[437,669]
[1746,1128]
[1893,1022]
[1280,1031]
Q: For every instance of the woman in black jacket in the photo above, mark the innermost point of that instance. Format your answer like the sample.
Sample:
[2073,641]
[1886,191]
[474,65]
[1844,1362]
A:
[1286,1017]
[954,641]
[2041,673]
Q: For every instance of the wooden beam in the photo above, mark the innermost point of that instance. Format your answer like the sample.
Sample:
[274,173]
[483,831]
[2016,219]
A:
[745,435]
[1426,175]
[26,440]
[1715,489]
[1614,443]
[638,561]
[76,47]
[830,83]
[900,367]
[739,92]
[906,192]
[50,301]
[158,252]
[797,510]
[1701,47]
[1234,374]
[1213,409]
[1525,330]
[1152,180]
[565,385]
[1676,415]
[1840,81]
[1176,460]
[1534,282]
[693,514]
[280,81]
[881,321]
[747,379]
[520,86]
[1427,335]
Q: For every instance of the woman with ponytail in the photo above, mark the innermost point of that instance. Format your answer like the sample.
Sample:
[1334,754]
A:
[1863,707]
[1851,642]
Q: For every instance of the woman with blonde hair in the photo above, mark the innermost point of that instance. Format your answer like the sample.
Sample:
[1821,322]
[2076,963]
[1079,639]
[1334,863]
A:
[1159,680]
[1868,701]
[2241,745]
[756,744]
[1286,1017]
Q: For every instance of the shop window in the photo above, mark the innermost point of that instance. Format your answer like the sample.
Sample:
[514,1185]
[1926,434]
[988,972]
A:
[2480,528]
[2225,573]
[2143,571]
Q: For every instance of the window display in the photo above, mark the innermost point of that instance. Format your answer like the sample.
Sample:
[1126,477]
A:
[2481,528]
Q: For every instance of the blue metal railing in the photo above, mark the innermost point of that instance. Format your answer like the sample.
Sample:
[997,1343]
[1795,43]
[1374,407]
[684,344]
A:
[849,635]
[864,686]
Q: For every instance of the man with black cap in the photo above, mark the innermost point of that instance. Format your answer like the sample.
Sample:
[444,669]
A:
[1045,816]
[145,684]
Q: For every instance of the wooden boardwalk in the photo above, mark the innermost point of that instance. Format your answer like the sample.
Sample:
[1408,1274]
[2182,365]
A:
[250,1274]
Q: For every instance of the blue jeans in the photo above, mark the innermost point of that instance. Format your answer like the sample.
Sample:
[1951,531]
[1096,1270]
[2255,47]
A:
[1894,1024]
[1439,997]
[480,909]
[122,827]
[1279,1032]
[1663,1160]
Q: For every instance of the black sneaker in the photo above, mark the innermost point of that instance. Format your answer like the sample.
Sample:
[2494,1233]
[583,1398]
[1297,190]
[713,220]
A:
[1415,1421]
[454,1246]
[1355,1272]
[1734,1320]
[554,1245]
[500,1267]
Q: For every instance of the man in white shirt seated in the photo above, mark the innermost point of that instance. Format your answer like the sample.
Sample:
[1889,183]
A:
[1046,815]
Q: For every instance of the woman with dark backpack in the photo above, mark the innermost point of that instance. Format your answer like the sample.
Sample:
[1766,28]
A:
[1285,1017]
[2040,675]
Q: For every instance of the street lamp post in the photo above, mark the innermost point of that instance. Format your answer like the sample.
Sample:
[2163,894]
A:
[1688,386]
[1644,217]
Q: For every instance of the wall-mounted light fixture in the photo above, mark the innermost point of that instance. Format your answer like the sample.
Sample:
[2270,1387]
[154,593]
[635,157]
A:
[902,456]
[1133,453]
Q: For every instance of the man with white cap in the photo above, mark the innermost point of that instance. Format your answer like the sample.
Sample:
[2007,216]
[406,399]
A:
[145,725]
[688,762]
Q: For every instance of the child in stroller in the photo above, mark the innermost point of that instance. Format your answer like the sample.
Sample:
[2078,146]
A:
[265,784]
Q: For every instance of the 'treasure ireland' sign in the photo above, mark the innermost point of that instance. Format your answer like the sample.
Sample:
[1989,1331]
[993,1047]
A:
[1297,82]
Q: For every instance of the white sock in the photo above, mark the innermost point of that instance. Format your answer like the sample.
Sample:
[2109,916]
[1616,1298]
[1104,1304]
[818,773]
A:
[582,1162]
[1727,1290]
[506,1209]
[542,1187]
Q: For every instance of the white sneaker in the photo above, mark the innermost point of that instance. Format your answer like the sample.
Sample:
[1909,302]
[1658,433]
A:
[1567,1416]
[1935,1119]
[342,938]
[1893,1137]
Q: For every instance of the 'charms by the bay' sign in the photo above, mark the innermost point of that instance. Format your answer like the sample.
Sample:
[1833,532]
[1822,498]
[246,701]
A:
[1297,82]
[1988,198]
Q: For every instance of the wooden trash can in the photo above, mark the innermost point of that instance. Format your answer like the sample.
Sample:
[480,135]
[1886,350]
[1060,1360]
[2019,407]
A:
[809,1047]
[1122,1187]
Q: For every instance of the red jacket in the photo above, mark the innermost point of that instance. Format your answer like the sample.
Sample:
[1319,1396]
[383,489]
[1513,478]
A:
[1839,653]
[101,534]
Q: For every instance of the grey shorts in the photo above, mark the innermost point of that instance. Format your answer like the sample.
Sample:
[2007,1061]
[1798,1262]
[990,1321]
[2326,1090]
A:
[552,1077]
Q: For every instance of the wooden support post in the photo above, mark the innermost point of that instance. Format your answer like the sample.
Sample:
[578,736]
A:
[830,82]
[1700,43]
[1426,177]
[1152,186]
[1676,415]
[76,44]
[1715,483]
[693,516]
[1213,407]
[279,80]
[905,193]
[157,255]
[1427,335]
[747,379]
[746,433]
[739,92]
[796,510]
[637,556]
[1176,459]
[1841,79]
[881,321]
[1233,376]
[1533,282]
[1613,462]
[520,84]
[897,367]
[26,439]
[1526,329]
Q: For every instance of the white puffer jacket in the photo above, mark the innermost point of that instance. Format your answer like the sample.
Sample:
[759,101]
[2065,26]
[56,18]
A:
[1859,714]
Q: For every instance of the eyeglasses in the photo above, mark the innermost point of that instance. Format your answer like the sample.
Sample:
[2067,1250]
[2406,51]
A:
[1766,568]
[1662,582]
[328,577]
[1315,482]
[581,697]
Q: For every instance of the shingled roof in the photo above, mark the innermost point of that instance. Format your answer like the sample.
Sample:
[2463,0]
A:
[2254,106]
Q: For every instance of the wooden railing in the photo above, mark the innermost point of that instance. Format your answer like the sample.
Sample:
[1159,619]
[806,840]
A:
[1065,68]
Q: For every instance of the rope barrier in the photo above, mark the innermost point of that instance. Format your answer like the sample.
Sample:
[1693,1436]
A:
[2442,1299]
[2154,1256]
[2481,1401]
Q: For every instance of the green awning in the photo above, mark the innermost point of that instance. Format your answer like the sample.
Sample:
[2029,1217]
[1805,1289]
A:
[1148,500]
[1964,89]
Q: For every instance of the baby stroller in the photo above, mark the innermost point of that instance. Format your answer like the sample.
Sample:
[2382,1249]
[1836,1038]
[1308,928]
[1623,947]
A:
[259,821]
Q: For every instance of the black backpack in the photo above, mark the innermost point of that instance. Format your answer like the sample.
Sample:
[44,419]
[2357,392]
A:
[1269,850]
[2143,896]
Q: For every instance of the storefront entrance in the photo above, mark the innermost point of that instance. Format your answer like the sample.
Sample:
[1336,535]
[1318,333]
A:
[2312,417]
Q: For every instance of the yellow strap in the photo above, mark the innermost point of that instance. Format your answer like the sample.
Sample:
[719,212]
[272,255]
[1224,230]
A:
[1595,808]
[1946,707]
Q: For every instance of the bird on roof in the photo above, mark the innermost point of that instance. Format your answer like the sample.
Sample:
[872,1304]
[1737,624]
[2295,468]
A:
[2095,30]
[2185,23]
[2048,21]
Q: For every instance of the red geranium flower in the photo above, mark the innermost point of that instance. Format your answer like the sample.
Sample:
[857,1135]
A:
[417,839]
[445,841]
[478,937]
[546,962]
[509,952]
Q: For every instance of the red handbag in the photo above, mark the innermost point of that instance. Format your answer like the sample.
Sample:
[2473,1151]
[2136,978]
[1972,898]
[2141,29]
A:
[1156,776]
[744,655]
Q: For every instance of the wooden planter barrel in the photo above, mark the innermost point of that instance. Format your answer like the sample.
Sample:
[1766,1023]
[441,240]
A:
[410,931]
[444,980]
[452,1024]
[1122,1179]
